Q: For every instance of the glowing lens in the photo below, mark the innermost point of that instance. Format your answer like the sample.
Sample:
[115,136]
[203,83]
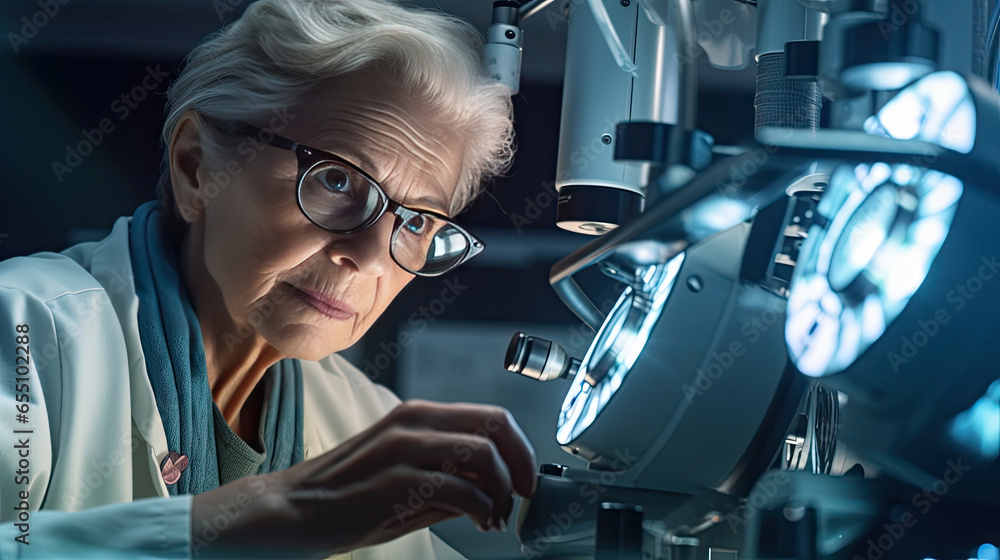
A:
[937,108]
[615,349]
[979,427]
[884,227]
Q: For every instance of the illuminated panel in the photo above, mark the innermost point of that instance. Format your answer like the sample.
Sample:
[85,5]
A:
[882,227]
[937,108]
[615,348]
[987,552]
[979,427]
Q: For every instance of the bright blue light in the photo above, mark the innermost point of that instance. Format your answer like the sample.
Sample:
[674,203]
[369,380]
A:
[864,234]
[988,552]
[716,215]
[885,226]
[616,348]
[896,120]
[942,197]
[978,428]
[937,108]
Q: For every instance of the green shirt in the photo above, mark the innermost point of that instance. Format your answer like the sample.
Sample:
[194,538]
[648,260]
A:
[237,459]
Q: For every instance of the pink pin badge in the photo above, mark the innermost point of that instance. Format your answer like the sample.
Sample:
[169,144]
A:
[172,467]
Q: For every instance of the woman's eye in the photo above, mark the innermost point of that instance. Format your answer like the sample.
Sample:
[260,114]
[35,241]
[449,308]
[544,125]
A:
[335,180]
[416,224]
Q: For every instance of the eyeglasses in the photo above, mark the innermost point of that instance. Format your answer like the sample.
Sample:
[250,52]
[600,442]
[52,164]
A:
[340,198]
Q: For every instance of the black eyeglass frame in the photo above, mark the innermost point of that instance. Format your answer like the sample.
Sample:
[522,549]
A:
[308,158]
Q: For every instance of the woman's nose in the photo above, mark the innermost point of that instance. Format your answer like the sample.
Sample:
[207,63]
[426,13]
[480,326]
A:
[366,250]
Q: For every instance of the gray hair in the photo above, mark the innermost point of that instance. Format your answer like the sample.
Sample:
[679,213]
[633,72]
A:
[280,51]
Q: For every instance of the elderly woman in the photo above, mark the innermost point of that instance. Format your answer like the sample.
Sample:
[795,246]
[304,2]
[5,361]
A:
[173,390]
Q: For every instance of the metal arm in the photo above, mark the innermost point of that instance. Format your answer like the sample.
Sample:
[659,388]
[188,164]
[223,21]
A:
[532,7]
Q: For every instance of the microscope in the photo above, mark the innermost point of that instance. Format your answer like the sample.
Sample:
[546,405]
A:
[800,361]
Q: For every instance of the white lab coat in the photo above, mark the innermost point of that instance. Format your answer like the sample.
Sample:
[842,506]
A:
[96,437]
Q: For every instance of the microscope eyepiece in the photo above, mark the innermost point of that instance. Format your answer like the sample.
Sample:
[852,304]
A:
[539,359]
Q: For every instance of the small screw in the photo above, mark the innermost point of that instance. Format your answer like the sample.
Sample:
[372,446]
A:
[694,284]
[510,34]
[625,3]
[606,138]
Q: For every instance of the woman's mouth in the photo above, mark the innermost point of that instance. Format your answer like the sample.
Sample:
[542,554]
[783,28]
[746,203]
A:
[326,305]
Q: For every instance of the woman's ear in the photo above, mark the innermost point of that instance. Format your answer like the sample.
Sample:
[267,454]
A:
[186,159]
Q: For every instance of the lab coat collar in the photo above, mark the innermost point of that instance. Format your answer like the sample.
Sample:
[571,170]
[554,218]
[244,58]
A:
[111,265]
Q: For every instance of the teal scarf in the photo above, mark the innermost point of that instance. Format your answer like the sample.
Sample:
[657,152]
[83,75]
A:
[175,361]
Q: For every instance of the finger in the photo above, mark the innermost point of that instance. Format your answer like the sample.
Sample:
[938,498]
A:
[493,422]
[427,518]
[477,460]
[385,506]
[467,456]
[325,464]
[449,494]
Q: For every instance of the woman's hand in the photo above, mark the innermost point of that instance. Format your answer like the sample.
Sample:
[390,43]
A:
[422,464]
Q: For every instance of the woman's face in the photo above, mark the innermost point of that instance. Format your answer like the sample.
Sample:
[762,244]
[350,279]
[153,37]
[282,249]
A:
[306,291]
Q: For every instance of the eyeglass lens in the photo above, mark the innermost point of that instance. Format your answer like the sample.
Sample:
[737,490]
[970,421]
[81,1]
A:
[339,198]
